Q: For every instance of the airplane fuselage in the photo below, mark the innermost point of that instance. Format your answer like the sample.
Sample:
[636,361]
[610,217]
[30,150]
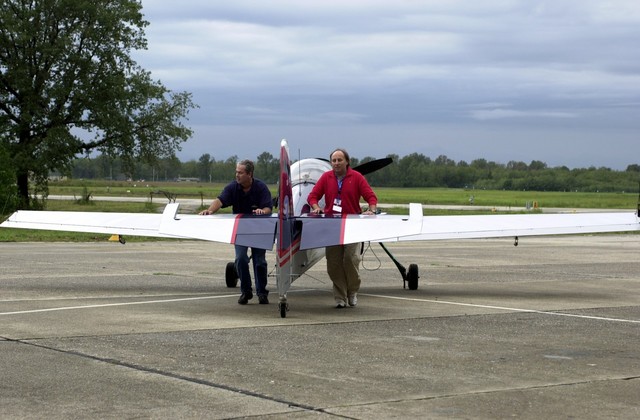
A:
[296,181]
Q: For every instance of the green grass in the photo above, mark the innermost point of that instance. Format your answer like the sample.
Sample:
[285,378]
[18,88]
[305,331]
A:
[107,206]
[135,189]
[453,196]
[29,235]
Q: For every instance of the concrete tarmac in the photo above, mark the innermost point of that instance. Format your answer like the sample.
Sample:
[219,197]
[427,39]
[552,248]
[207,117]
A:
[548,329]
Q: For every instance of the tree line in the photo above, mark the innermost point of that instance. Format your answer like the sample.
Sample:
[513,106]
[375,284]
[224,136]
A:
[411,171]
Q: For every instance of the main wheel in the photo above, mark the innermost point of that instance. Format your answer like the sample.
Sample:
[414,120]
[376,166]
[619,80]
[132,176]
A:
[412,276]
[231,275]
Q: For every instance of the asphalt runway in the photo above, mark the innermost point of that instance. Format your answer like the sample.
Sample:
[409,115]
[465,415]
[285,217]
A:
[548,329]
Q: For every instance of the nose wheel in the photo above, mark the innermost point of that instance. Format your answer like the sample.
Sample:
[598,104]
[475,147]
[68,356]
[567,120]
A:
[283,307]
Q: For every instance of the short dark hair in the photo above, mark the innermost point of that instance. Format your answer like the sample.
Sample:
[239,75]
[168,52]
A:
[248,166]
[344,152]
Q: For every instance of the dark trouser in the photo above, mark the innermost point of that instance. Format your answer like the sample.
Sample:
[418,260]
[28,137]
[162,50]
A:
[259,269]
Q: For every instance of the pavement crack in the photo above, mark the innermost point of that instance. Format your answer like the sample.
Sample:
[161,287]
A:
[172,375]
[495,391]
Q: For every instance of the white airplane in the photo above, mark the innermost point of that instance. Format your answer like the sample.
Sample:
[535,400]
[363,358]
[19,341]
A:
[301,237]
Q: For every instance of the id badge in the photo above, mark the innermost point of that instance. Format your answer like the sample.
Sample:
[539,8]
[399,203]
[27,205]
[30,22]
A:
[337,205]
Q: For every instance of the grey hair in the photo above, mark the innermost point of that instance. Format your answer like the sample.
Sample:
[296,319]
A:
[248,166]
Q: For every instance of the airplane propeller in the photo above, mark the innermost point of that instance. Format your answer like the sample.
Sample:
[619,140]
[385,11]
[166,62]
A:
[365,169]
[373,165]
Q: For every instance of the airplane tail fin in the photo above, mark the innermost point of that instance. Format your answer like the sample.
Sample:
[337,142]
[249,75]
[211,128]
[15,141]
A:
[285,193]
[286,236]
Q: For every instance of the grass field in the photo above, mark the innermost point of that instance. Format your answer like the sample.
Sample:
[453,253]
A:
[207,191]
[453,196]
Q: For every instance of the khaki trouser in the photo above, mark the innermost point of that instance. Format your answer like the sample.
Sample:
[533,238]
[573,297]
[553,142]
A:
[343,262]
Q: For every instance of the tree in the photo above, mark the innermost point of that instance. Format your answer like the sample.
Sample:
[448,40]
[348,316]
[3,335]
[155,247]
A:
[443,160]
[537,165]
[68,86]
[7,184]
[513,165]
[633,168]
[204,167]
[267,167]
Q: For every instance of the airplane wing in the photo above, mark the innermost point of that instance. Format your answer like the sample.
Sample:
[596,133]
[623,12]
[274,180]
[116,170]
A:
[258,231]
[493,226]
[138,224]
[238,229]
[318,231]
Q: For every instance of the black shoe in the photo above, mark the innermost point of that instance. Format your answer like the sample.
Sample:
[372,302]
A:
[245,298]
[263,300]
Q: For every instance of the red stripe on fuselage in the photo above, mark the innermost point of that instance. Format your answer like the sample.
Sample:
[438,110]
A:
[235,228]
[342,228]
[287,246]
[285,255]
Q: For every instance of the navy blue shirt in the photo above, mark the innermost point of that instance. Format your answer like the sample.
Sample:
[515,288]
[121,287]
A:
[257,197]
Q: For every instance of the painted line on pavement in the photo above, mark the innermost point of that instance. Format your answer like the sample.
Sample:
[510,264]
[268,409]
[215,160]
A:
[443,302]
[106,305]
[502,308]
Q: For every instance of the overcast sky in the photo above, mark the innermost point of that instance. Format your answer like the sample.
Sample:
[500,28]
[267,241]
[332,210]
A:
[556,81]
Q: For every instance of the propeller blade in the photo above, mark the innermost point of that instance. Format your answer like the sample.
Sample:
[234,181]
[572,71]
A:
[373,165]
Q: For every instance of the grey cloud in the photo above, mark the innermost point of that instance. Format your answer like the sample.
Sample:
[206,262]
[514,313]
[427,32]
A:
[569,66]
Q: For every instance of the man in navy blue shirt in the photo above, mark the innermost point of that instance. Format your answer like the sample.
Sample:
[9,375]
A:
[247,195]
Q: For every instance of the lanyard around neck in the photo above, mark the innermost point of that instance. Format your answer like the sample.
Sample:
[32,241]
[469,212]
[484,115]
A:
[340,181]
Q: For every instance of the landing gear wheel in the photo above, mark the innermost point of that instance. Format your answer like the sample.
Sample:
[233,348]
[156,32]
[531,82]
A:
[283,307]
[231,275]
[412,276]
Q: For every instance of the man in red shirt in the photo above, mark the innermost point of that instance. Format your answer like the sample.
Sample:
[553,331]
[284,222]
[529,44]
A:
[342,188]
